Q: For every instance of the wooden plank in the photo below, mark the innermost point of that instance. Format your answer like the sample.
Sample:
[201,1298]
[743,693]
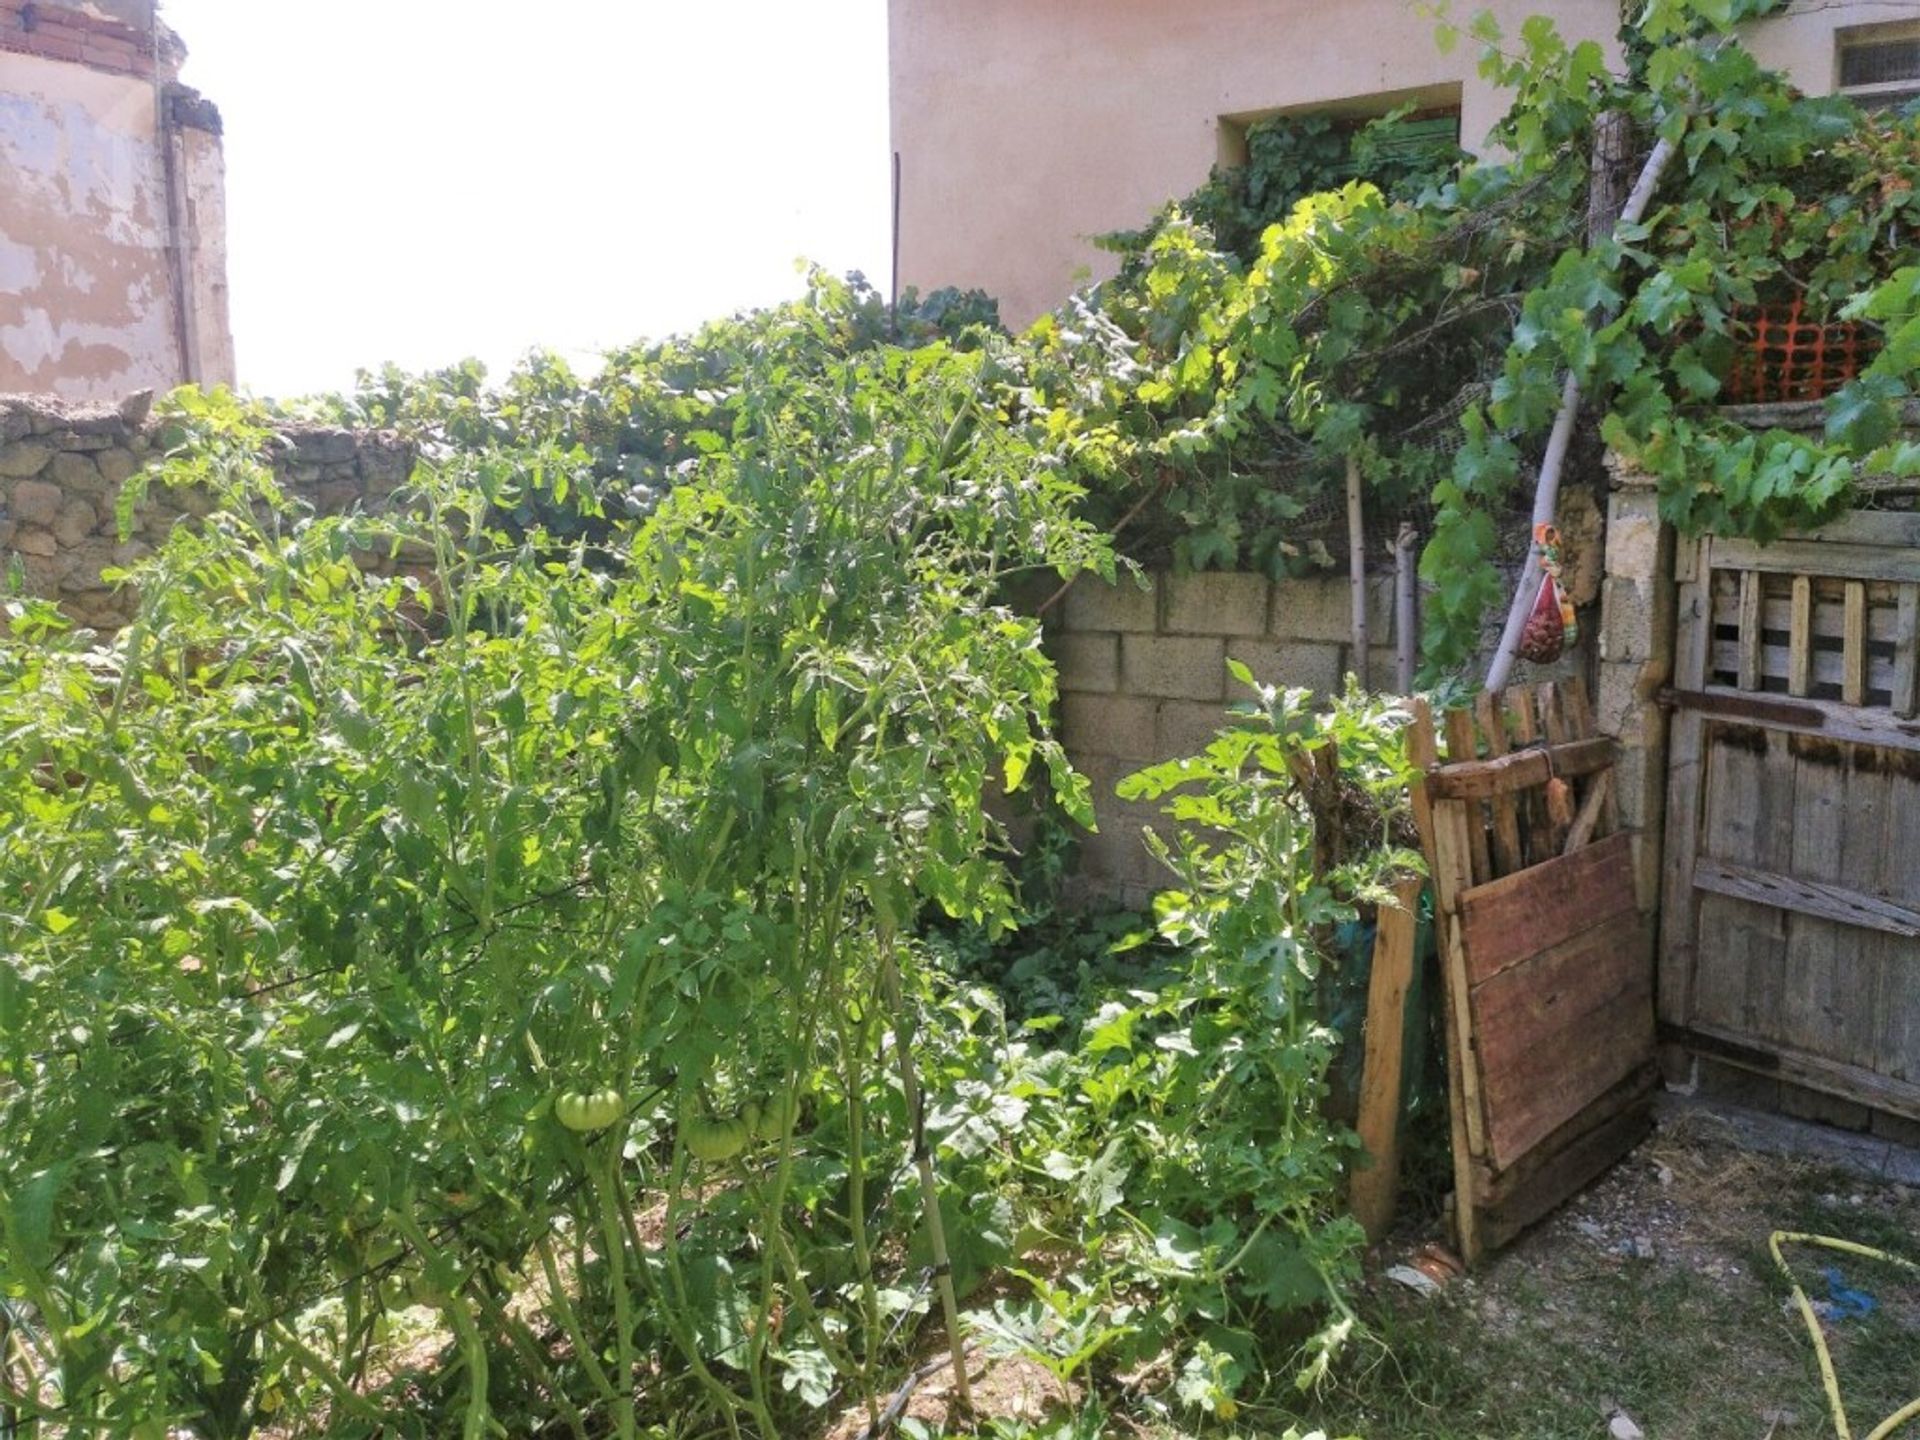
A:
[1450,825]
[1506,822]
[1820,967]
[1555,1079]
[1375,1187]
[1809,557]
[1741,960]
[1808,897]
[1423,752]
[1850,1082]
[1893,529]
[1518,703]
[1906,665]
[1591,809]
[1494,1187]
[1853,685]
[1522,915]
[1825,718]
[1580,712]
[1574,1164]
[1751,639]
[1826,598]
[1800,641]
[1828,664]
[1519,1011]
[1480,779]
[1897,1041]
[1463,745]
[1678,906]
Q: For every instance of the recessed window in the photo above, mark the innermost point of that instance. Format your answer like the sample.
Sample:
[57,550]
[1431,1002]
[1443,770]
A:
[1880,67]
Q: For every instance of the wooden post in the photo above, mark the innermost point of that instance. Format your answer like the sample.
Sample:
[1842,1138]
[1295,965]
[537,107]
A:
[1406,601]
[1376,1187]
[1357,564]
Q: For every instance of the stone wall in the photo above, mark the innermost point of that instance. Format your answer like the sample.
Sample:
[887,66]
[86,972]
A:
[62,466]
[1143,678]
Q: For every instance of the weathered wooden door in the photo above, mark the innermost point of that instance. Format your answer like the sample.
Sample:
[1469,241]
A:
[1791,905]
[1546,957]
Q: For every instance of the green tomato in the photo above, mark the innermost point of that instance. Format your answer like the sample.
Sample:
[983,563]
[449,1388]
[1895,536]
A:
[772,1120]
[585,1113]
[713,1140]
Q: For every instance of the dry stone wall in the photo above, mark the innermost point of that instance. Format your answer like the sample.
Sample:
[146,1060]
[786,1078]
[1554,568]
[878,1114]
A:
[62,467]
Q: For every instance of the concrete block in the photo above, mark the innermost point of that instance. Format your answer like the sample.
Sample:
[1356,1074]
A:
[1618,708]
[1087,662]
[1092,604]
[1629,626]
[1317,666]
[1186,727]
[1313,608]
[1174,667]
[36,502]
[1216,603]
[1633,539]
[1116,725]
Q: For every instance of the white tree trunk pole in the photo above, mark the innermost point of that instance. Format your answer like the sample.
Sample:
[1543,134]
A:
[1406,615]
[1357,564]
[1546,497]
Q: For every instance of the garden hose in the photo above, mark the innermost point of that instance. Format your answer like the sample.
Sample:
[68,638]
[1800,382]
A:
[1909,1411]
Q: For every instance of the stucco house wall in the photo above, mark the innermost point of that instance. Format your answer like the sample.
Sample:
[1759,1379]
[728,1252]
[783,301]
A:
[1027,127]
[112,207]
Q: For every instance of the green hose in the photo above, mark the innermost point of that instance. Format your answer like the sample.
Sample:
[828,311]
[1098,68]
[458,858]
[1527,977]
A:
[1893,1422]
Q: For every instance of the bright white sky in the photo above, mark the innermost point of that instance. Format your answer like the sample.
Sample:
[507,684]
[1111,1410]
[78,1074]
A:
[422,180]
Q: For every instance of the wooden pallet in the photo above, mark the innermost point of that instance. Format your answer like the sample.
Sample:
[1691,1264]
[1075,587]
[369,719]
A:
[1546,959]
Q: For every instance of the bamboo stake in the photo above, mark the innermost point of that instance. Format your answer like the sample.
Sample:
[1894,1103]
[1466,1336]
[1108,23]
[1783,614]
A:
[1357,564]
[1406,602]
[923,1157]
[1546,496]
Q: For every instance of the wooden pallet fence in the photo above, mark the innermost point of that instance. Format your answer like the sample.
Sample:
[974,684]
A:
[1546,960]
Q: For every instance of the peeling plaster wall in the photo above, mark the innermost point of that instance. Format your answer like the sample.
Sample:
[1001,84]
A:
[89,299]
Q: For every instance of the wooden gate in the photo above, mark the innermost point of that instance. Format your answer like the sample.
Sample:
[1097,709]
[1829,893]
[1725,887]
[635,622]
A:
[1791,929]
[1546,957]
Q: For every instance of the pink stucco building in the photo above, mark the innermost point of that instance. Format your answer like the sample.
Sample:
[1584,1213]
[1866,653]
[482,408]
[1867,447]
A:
[1027,127]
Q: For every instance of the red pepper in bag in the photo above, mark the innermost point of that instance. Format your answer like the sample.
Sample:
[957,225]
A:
[1552,626]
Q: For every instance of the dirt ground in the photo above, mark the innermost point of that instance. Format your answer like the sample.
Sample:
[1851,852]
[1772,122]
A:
[1650,1304]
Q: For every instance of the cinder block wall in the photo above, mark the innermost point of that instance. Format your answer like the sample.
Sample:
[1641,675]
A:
[1143,678]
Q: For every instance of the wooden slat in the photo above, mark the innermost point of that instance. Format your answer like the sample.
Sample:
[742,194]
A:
[1375,1187]
[1506,821]
[1850,1082]
[1825,718]
[1820,969]
[1740,968]
[1800,641]
[1752,641]
[1906,665]
[1580,714]
[1807,897]
[1679,910]
[1423,751]
[1573,1165]
[1450,827]
[1522,915]
[1897,1024]
[1591,809]
[1550,1081]
[1853,684]
[1479,779]
[1828,664]
[1518,703]
[1462,745]
[1806,557]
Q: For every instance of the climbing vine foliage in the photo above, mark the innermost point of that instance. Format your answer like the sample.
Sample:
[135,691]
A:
[1431,333]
